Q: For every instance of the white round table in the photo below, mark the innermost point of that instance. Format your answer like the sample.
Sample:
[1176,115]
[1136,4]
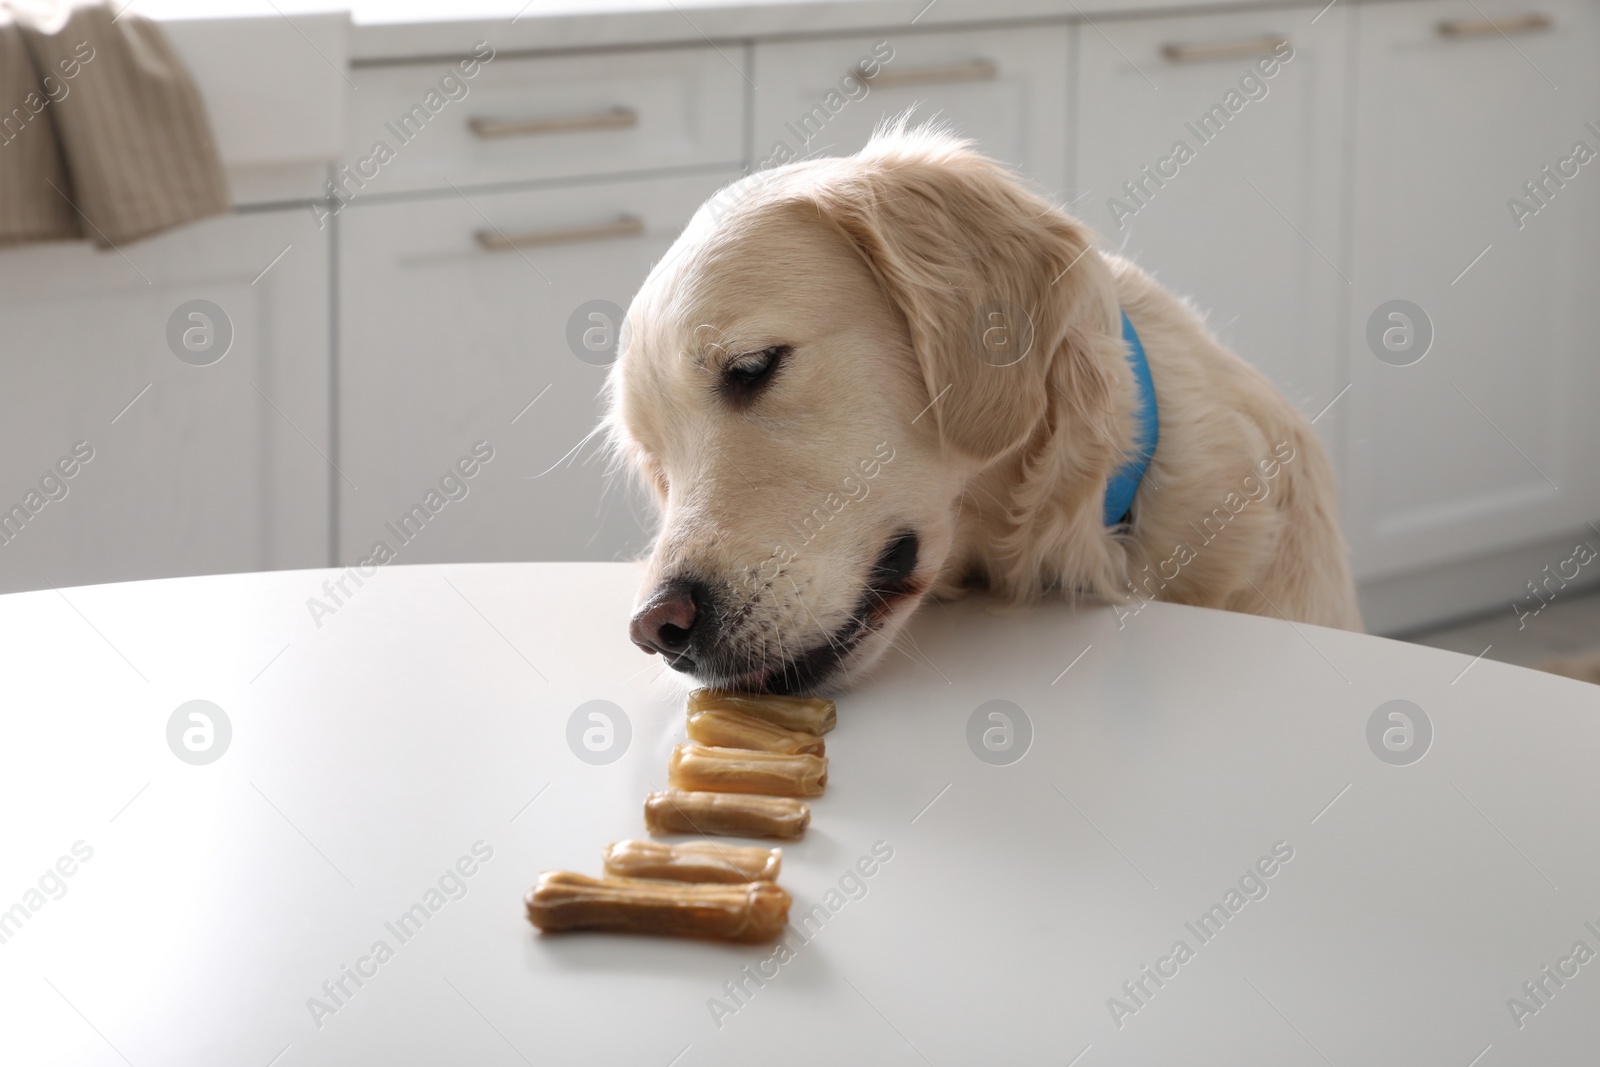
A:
[331,870]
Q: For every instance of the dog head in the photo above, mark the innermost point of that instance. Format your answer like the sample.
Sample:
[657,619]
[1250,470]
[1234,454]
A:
[810,377]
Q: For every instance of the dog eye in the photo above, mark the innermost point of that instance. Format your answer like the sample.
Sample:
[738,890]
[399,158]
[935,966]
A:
[745,375]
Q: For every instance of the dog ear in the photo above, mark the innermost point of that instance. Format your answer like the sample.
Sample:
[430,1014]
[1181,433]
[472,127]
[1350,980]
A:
[997,286]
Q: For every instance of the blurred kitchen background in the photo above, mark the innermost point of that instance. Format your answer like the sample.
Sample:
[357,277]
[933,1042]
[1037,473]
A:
[429,215]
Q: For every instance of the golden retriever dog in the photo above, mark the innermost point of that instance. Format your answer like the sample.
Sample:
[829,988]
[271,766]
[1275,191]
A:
[857,382]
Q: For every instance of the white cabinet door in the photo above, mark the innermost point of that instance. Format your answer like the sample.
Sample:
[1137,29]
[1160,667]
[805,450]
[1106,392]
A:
[1244,218]
[447,343]
[1006,89]
[1491,439]
[199,464]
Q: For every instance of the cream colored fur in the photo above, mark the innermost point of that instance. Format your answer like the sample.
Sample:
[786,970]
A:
[883,271]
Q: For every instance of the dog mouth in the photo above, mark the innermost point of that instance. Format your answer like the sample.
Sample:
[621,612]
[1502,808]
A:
[891,582]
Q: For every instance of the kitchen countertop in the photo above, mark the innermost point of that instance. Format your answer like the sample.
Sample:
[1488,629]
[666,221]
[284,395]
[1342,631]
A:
[972,889]
[277,76]
[426,28]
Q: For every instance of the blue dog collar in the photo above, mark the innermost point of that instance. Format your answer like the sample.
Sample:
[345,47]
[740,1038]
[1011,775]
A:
[1125,483]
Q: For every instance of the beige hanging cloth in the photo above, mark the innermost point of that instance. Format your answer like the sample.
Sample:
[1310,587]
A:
[102,132]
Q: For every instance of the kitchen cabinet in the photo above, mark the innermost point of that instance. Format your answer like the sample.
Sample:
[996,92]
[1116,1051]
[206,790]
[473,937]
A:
[464,320]
[1487,438]
[1208,151]
[1376,158]
[215,460]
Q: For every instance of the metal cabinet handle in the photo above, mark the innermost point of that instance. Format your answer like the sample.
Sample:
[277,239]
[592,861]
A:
[1492,27]
[616,118]
[1211,51]
[973,70]
[624,226]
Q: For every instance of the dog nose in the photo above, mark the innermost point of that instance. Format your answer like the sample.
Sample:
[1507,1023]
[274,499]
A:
[665,623]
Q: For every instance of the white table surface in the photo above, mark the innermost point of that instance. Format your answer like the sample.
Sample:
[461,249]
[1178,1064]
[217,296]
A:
[430,711]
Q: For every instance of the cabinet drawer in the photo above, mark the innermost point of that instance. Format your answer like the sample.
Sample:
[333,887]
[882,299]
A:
[547,117]
[1005,89]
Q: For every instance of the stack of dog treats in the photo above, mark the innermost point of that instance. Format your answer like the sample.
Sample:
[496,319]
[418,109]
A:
[748,761]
